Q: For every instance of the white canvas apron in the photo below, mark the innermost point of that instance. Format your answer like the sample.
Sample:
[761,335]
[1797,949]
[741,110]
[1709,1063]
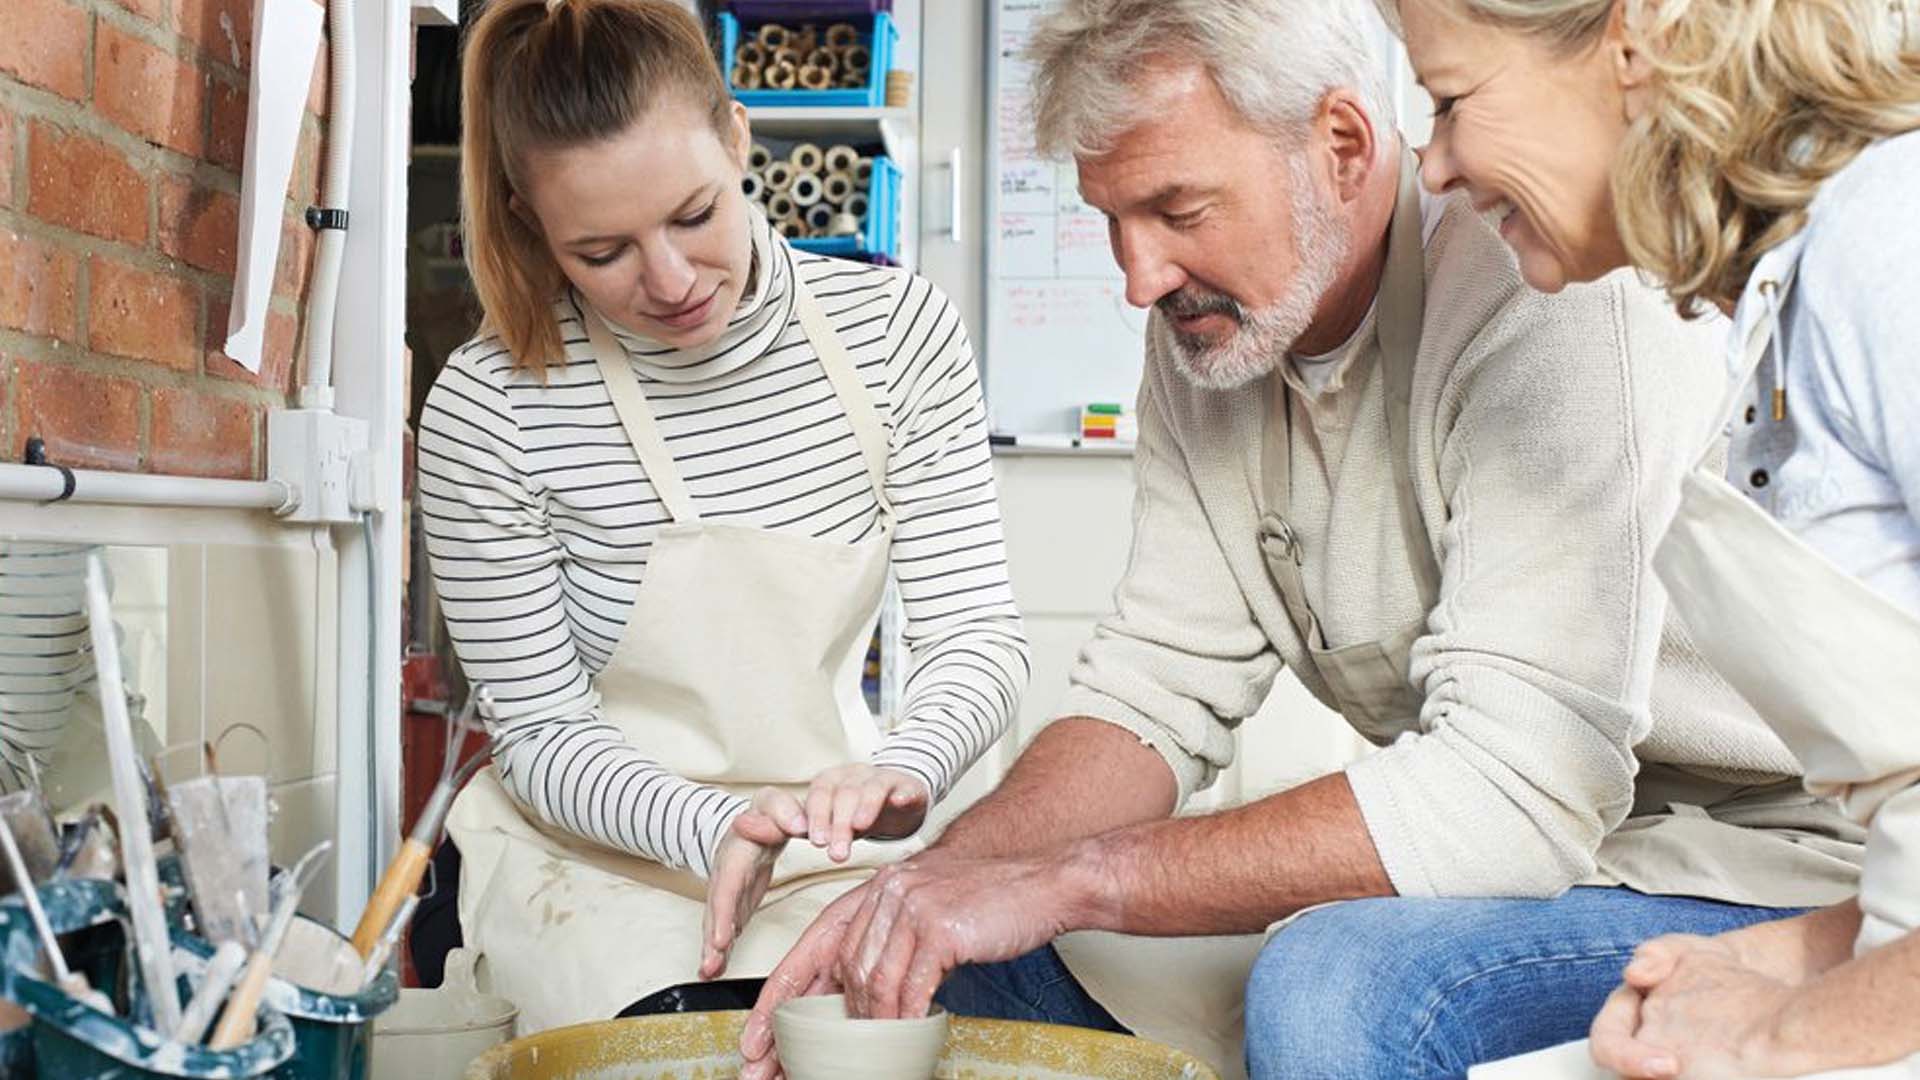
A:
[739,668]
[1833,667]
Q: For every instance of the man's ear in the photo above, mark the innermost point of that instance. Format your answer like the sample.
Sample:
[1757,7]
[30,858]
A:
[1352,146]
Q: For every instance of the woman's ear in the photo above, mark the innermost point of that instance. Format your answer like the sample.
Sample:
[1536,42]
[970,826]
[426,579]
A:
[742,134]
[1627,57]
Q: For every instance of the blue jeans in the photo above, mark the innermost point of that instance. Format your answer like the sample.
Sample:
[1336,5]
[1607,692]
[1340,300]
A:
[1034,987]
[1399,988]
[1425,988]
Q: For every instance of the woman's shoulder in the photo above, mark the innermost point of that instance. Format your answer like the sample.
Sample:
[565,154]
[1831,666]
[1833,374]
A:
[1867,208]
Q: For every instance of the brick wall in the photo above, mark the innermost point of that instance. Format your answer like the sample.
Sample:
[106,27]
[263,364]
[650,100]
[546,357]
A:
[122,126]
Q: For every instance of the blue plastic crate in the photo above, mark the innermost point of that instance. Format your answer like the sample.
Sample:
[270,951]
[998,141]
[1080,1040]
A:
[877,33]
[880,233]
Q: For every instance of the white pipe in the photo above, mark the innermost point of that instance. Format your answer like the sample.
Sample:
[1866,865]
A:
[330,248]
[44,483]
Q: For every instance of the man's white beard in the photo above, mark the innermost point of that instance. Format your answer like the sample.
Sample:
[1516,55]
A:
[1264,336]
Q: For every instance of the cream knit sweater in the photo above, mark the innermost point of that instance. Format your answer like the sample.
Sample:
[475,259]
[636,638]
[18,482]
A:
[1548,437]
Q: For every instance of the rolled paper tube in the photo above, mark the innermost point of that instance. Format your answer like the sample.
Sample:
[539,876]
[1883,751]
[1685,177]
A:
[815,78]
[791,229]
[754,187]
[856,58]
[863,173]
[773,36]
[853,80]
[825,58]
[780,206]
[788,55]
[746,78]
[856,205]
[805,189]
[819,216]
[806,157]
[750,54]
[841,35]
[781,76]
[778,175]
[843,225]
[759,157]
[837,186]
[806,38]
[841,158]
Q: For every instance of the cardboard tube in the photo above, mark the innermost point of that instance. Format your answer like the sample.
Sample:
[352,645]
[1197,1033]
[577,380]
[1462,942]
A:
[759,157]
[815,78]
[778,175]
[841,158]
[746,78]
[837,187]
[806,157]
[750,54]
[841,35]
[805,189]
[824,58]
[856,205]
[753,187]
[780,76]
[780,206]
[819,216]
[843,225]
[773,36]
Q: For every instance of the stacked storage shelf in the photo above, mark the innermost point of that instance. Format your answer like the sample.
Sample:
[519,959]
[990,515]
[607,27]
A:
[817,72]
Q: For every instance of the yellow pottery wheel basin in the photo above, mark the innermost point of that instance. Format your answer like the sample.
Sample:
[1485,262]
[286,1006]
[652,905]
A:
[705,1046]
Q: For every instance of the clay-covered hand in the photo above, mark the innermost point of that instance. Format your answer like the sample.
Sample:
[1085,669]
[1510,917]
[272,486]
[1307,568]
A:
[920,919]
[847,802]
[1689,1009]
[807,969]
[742,870]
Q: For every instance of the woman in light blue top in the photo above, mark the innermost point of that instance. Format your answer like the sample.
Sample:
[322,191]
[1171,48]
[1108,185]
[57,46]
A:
[1762,158]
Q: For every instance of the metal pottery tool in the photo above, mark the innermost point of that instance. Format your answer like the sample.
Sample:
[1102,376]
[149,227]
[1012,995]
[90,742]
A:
[409,864]
[236,1024]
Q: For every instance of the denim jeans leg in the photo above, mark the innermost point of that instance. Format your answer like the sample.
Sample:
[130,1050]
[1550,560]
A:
[1425,988]
[1036,987]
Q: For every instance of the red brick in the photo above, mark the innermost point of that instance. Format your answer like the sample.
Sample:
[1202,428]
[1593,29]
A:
[198,434]
[222,28]
[144,315]
[45,43]
[296,259]
[151,10]
[199,225]
[227,132]
[84,184]
[150,92]
[87,420]
[6,157]
[276,354]
[308,162]
[38,287]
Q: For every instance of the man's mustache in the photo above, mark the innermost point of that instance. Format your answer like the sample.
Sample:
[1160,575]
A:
[1191,302]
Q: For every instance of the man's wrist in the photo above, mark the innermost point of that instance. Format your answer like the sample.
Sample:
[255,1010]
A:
[1094,899]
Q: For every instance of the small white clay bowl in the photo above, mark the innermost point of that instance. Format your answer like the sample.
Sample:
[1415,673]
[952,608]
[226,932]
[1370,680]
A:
[817,1040]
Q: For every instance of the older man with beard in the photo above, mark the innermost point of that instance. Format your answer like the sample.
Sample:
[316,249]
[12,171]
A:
[1368,454]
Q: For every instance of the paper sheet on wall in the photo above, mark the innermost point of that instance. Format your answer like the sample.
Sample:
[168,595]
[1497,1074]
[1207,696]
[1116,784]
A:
[1060,333]
[286,41]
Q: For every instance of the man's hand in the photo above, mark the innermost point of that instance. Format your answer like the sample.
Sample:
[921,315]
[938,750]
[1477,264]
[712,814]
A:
[851,801]
[1689,1009]
[807,969]
[742,870]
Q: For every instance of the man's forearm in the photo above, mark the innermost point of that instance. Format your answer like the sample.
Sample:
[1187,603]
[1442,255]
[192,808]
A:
[1233,872]
[1079,777]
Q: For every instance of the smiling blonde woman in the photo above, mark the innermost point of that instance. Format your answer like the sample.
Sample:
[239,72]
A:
[1759,157]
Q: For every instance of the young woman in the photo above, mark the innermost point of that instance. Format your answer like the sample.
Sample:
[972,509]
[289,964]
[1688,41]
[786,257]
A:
[664,490]
[1761,159]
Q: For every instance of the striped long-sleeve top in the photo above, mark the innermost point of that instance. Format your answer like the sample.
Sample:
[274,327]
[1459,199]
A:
[539,520]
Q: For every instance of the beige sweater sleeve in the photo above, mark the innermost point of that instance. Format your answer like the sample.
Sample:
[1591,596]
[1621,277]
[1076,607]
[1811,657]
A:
[1561,438]
[1181,661]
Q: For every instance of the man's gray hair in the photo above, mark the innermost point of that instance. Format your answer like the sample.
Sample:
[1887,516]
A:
[1274,60]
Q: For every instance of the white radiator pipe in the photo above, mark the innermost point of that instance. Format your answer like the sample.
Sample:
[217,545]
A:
[330,245]
[47,483]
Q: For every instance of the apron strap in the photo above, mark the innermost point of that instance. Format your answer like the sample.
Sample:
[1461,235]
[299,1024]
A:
[1403,307]
[630,402]
[855,400]
[1403,286]
[1765,332]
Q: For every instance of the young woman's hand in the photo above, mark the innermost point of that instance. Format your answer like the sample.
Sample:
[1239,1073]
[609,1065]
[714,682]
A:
[848,802]
[742,870]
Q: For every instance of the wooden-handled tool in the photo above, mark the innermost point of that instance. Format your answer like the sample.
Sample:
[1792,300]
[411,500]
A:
[236,1023]
[409,864]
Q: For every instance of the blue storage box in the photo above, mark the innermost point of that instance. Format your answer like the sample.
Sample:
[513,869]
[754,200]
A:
[880,233]
[877,33]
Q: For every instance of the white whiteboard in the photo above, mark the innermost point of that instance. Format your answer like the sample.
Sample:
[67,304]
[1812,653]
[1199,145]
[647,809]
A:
[1059,331]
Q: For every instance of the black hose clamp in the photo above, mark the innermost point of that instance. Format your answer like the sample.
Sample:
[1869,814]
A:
[37,455]
[319,218]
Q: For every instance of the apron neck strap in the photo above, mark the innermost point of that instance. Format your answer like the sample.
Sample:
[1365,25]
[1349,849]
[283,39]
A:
[616,370]
[630,403]
[863,413]
[1402,309]
[1764,333]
